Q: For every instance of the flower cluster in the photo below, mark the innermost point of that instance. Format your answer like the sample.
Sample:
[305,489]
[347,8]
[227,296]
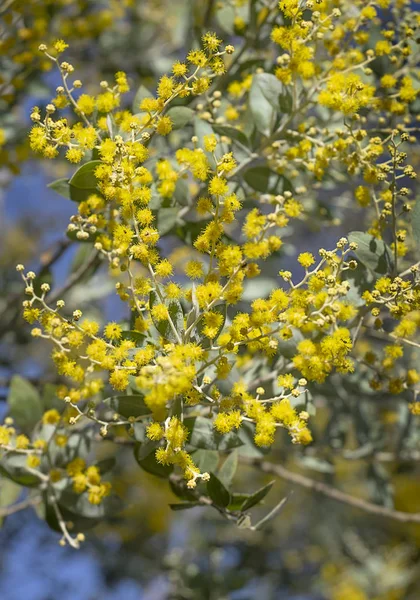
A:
[201,341]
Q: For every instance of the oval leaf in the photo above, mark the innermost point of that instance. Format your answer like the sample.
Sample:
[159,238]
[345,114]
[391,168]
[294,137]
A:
[180,116]
[24,403]
[373,253]
[128,406]
[217,491]
[257,497]
[150,464]
[264,101]
[84,178]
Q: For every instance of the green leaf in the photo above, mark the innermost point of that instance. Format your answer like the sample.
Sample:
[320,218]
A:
[13,466]
[47,512]
[202,128]
[84,178]
[257,497]
[204,436]
[226,19]
[181,193]
[141,93]
[134,336]
[145,448]
[271,88]
[106,465]
[82,185]
[227,471]
[217,491]
[258,178]
[373,253]
[179,488]
[166,219]
[206,460]
[24,403]
[50,398]
[184,505]
[80,195]
[139,431]
[180,116]
[128,406]
[264,101]
[176,314]
[232,132]
[237,500]
[61,186]
[150,464]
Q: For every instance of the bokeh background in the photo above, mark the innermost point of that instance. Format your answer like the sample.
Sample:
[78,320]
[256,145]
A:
[316,550]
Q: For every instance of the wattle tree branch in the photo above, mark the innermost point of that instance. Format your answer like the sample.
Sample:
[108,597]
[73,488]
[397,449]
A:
[331,492]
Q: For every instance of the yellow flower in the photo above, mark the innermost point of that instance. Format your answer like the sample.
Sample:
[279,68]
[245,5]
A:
[194,269]
[306,259]
[86,104]
[113,331]
[51,417]
[160,312]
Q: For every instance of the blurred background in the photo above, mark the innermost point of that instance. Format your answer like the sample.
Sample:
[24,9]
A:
[316,549]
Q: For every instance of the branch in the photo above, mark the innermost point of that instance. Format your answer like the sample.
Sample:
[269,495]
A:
[14,508]
[331,492]
[74,278]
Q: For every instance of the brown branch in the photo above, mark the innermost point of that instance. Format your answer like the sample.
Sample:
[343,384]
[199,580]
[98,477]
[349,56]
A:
[94,260]
[331,492]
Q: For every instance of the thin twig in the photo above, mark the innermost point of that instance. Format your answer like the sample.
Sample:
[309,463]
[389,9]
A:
[14,508]
[75,277]
[332,492]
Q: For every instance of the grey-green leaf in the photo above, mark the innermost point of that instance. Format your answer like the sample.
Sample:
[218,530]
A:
[61,186]
[232,132]
[217,491]
[227,471]
[13,466]
[184,505]
[128,406]
[258,178]
[84,178]
[166,219]
[25,403]
[264,101]
[150,464]
[373,253]
[180,116]
[206,460]
[257,497]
